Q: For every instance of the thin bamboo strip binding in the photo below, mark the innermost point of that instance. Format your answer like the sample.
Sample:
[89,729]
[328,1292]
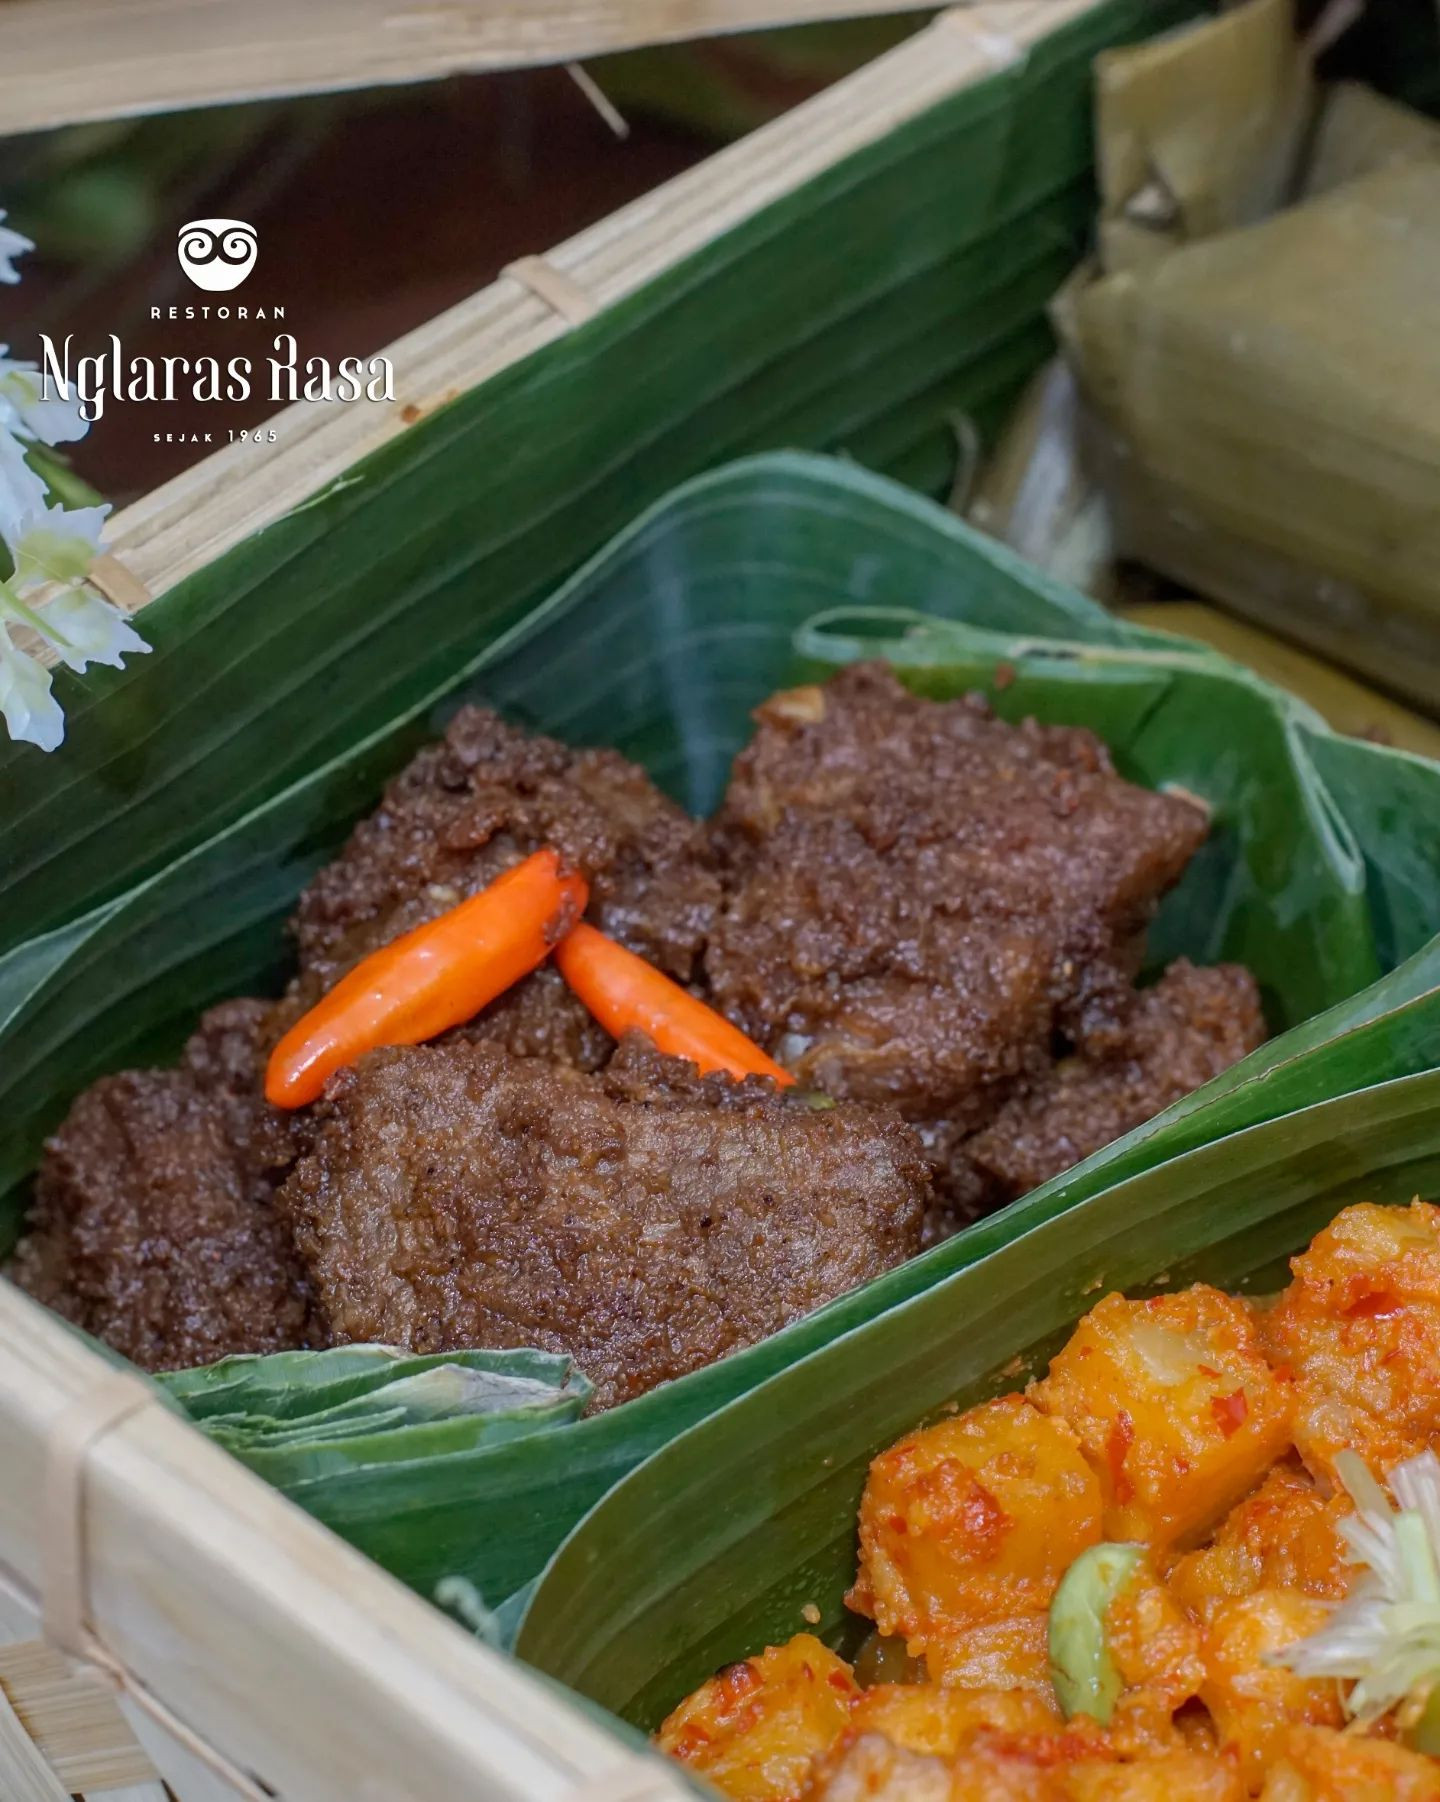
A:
[112,1399]
[559,292]
[110,1402]
[109,577]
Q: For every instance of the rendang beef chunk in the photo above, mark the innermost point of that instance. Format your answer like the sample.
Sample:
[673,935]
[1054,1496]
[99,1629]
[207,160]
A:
[644,1220]
[924,905]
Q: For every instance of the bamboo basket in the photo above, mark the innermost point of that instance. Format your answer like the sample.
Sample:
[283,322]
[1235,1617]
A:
[168,1624]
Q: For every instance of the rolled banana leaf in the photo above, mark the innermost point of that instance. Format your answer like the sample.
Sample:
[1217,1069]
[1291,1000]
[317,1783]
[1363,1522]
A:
[742,1531]
[1360,131]
[1323,872]
[297,1415]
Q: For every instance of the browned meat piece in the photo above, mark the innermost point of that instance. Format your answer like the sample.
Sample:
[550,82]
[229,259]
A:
[1175,1036]
[467,808]
[153,1226]
[920,896]
[644,1220]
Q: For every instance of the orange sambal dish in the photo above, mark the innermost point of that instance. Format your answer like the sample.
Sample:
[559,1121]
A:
[1195,1562]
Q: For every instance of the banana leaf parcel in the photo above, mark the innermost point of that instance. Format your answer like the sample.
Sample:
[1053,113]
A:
[1321,873]
[1253,344]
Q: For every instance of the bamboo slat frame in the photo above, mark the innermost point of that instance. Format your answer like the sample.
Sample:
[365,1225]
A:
[307,1670]
[255,1653]
[67,61]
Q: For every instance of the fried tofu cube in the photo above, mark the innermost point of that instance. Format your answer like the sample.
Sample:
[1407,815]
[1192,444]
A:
[1360,1328]
[754,1728]
[926,1717]
[1253,1702]
[1317,1764]
[1285,1535]
[1175,1405]
[972,1520]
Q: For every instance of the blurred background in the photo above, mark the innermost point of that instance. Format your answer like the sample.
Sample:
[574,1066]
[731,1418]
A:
[374,210]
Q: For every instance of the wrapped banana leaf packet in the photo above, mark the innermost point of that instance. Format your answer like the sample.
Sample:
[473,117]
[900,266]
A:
[1252,340]
[602,687]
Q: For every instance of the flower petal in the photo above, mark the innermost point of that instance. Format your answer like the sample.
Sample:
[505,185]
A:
[11,245]
[25,410]
[31,713]
[58,547]
[22,492]
[84,628]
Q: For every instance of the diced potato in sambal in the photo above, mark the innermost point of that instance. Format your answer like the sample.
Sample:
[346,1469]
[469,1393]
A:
[973,1519]
[754,1728]
[1199,1561]
[1360,1329]
[1177,1409]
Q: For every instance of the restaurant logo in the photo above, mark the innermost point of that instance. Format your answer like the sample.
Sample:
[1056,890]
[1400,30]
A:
[217,254]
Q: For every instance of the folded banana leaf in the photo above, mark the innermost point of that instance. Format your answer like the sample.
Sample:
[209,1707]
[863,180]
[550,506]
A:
[742,1531]
[296,1415]
[1266,391]
[1199,130]
[1322,873]
[1349,706]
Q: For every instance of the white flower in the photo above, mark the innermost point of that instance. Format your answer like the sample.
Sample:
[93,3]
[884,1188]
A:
[11,245]
[25,411]
[47,547]
[1386,1635]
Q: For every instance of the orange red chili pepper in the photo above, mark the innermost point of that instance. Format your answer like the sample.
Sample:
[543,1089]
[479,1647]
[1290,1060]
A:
[626,994]
[431,979]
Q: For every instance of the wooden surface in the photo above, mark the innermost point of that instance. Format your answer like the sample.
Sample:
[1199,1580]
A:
[72,1719]
[241,488]
[303,1666]
[63,61]
[1347,703]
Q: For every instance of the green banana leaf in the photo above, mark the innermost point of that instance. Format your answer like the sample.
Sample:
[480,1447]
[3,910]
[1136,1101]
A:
[713,1548]
[293,1416]
[661,645]
[901,286]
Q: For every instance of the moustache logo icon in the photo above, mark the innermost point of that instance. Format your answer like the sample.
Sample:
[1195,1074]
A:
[217,254]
